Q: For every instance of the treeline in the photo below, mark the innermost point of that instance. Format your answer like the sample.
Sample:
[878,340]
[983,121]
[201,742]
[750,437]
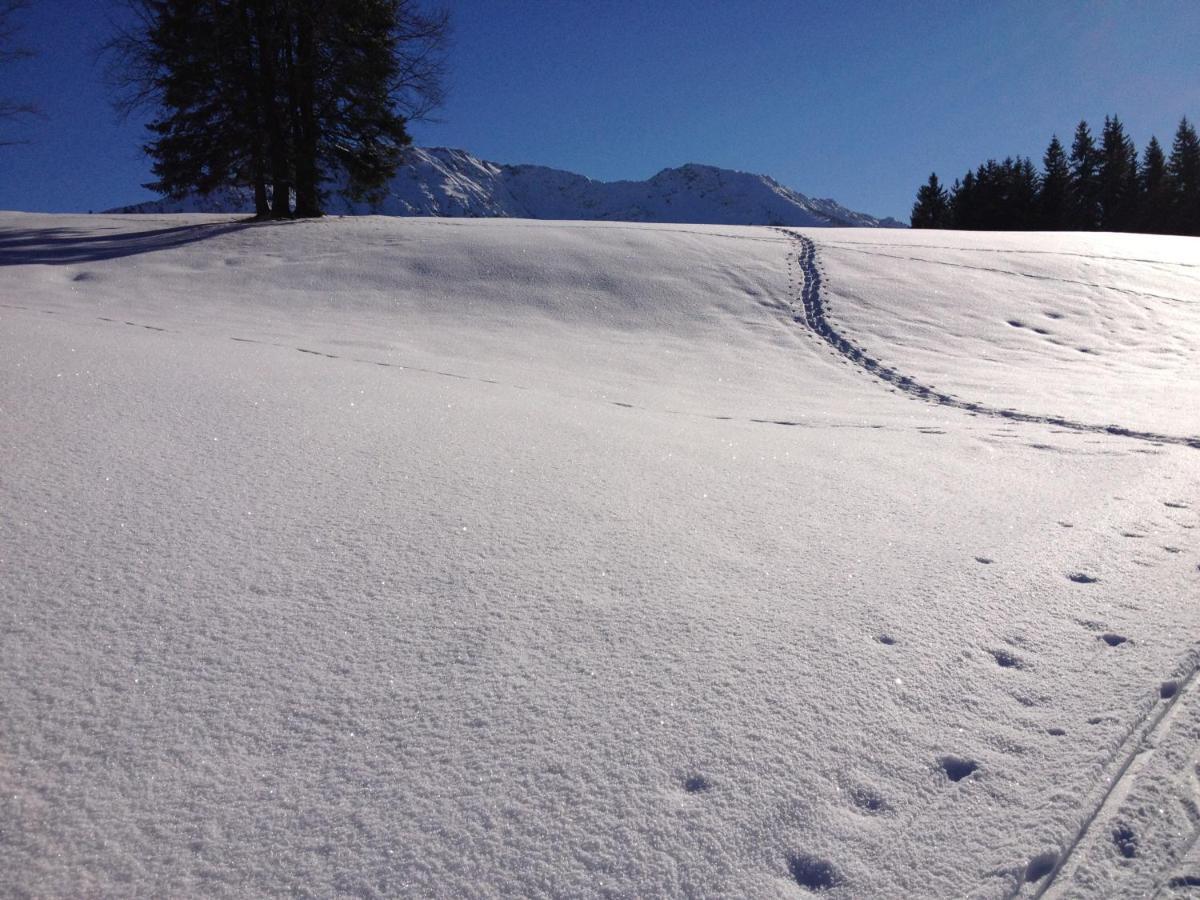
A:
[285,97]
[1099,186]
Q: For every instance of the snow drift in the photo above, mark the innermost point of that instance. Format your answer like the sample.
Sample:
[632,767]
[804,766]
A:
[433,557]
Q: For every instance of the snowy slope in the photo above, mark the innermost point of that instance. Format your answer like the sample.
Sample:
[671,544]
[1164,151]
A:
[444,182]
[431,557]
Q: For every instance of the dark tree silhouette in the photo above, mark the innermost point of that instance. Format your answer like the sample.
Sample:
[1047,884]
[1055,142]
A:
[1155,190]
[1055,200]
[1095,188]
[1117,178]
[1183,170]
[290,97]
[932,209]
[1085,179]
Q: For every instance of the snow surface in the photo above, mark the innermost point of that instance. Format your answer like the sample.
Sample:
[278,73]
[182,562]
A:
[443,182]
[435,557]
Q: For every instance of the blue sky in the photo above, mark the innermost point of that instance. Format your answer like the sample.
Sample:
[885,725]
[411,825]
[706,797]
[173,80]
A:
[858,101]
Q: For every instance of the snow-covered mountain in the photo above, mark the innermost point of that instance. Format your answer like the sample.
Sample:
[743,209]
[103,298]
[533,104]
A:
[444,182]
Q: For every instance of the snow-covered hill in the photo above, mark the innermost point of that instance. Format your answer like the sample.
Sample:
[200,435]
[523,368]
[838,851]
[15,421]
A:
[444,182]
[377,557]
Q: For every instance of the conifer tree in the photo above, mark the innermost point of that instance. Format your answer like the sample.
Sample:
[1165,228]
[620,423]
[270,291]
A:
[1023,189]
[932,207]
[1085,164]
[291,95]
[1183,171]
[1054,199]
[1155,191]
[1117,184]
[963,212]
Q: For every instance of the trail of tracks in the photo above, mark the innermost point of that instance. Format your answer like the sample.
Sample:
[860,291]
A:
[1047,875]
[1145,736]
[811,313]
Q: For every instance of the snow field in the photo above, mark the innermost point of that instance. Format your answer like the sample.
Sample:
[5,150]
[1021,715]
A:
[442,558]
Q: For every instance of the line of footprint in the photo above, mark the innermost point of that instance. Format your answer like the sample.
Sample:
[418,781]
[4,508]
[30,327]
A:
[808,309]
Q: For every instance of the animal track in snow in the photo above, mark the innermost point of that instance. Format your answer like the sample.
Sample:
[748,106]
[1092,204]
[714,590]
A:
[1113,640]
[814,873]
[869,801]
[808,308]
[986,560]
[1056,732]
[1006,660]
[1168,689]
[1082,578]
[1041,866]
[1175,505]
[696,784]
[1126,840]
[886,639]
[956,767]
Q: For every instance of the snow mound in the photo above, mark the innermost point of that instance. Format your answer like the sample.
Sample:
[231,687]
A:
[445,182]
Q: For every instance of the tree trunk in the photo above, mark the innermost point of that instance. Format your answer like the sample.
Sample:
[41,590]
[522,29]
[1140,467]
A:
[268,28]
[308,199]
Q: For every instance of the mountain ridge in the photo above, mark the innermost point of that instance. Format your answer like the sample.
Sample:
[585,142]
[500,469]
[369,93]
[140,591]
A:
[442,181]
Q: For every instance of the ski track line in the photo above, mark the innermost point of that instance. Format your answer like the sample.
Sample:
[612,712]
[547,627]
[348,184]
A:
[1144,737]
[811,313]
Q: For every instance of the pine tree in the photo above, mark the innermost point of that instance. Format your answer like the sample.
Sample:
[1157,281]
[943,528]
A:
[932,207]
[1154,215]
[1183,172]
[1085,164]
[1023,195]
[1054,198]
[1117,185]
[963,212]
[296,95]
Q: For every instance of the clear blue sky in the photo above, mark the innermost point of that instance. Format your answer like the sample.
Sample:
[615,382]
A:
[858,101]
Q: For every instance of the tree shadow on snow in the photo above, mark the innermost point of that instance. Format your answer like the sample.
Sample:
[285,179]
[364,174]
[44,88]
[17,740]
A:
[63,246]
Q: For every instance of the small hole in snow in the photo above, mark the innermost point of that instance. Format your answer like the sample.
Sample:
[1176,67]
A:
[1041,865]
[1168,689]
[1055,732]
[886,639]
[813,873]
[957,768]
[868,800]
[1006,660]
[696,784]
[1113,639]
[1082,578]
